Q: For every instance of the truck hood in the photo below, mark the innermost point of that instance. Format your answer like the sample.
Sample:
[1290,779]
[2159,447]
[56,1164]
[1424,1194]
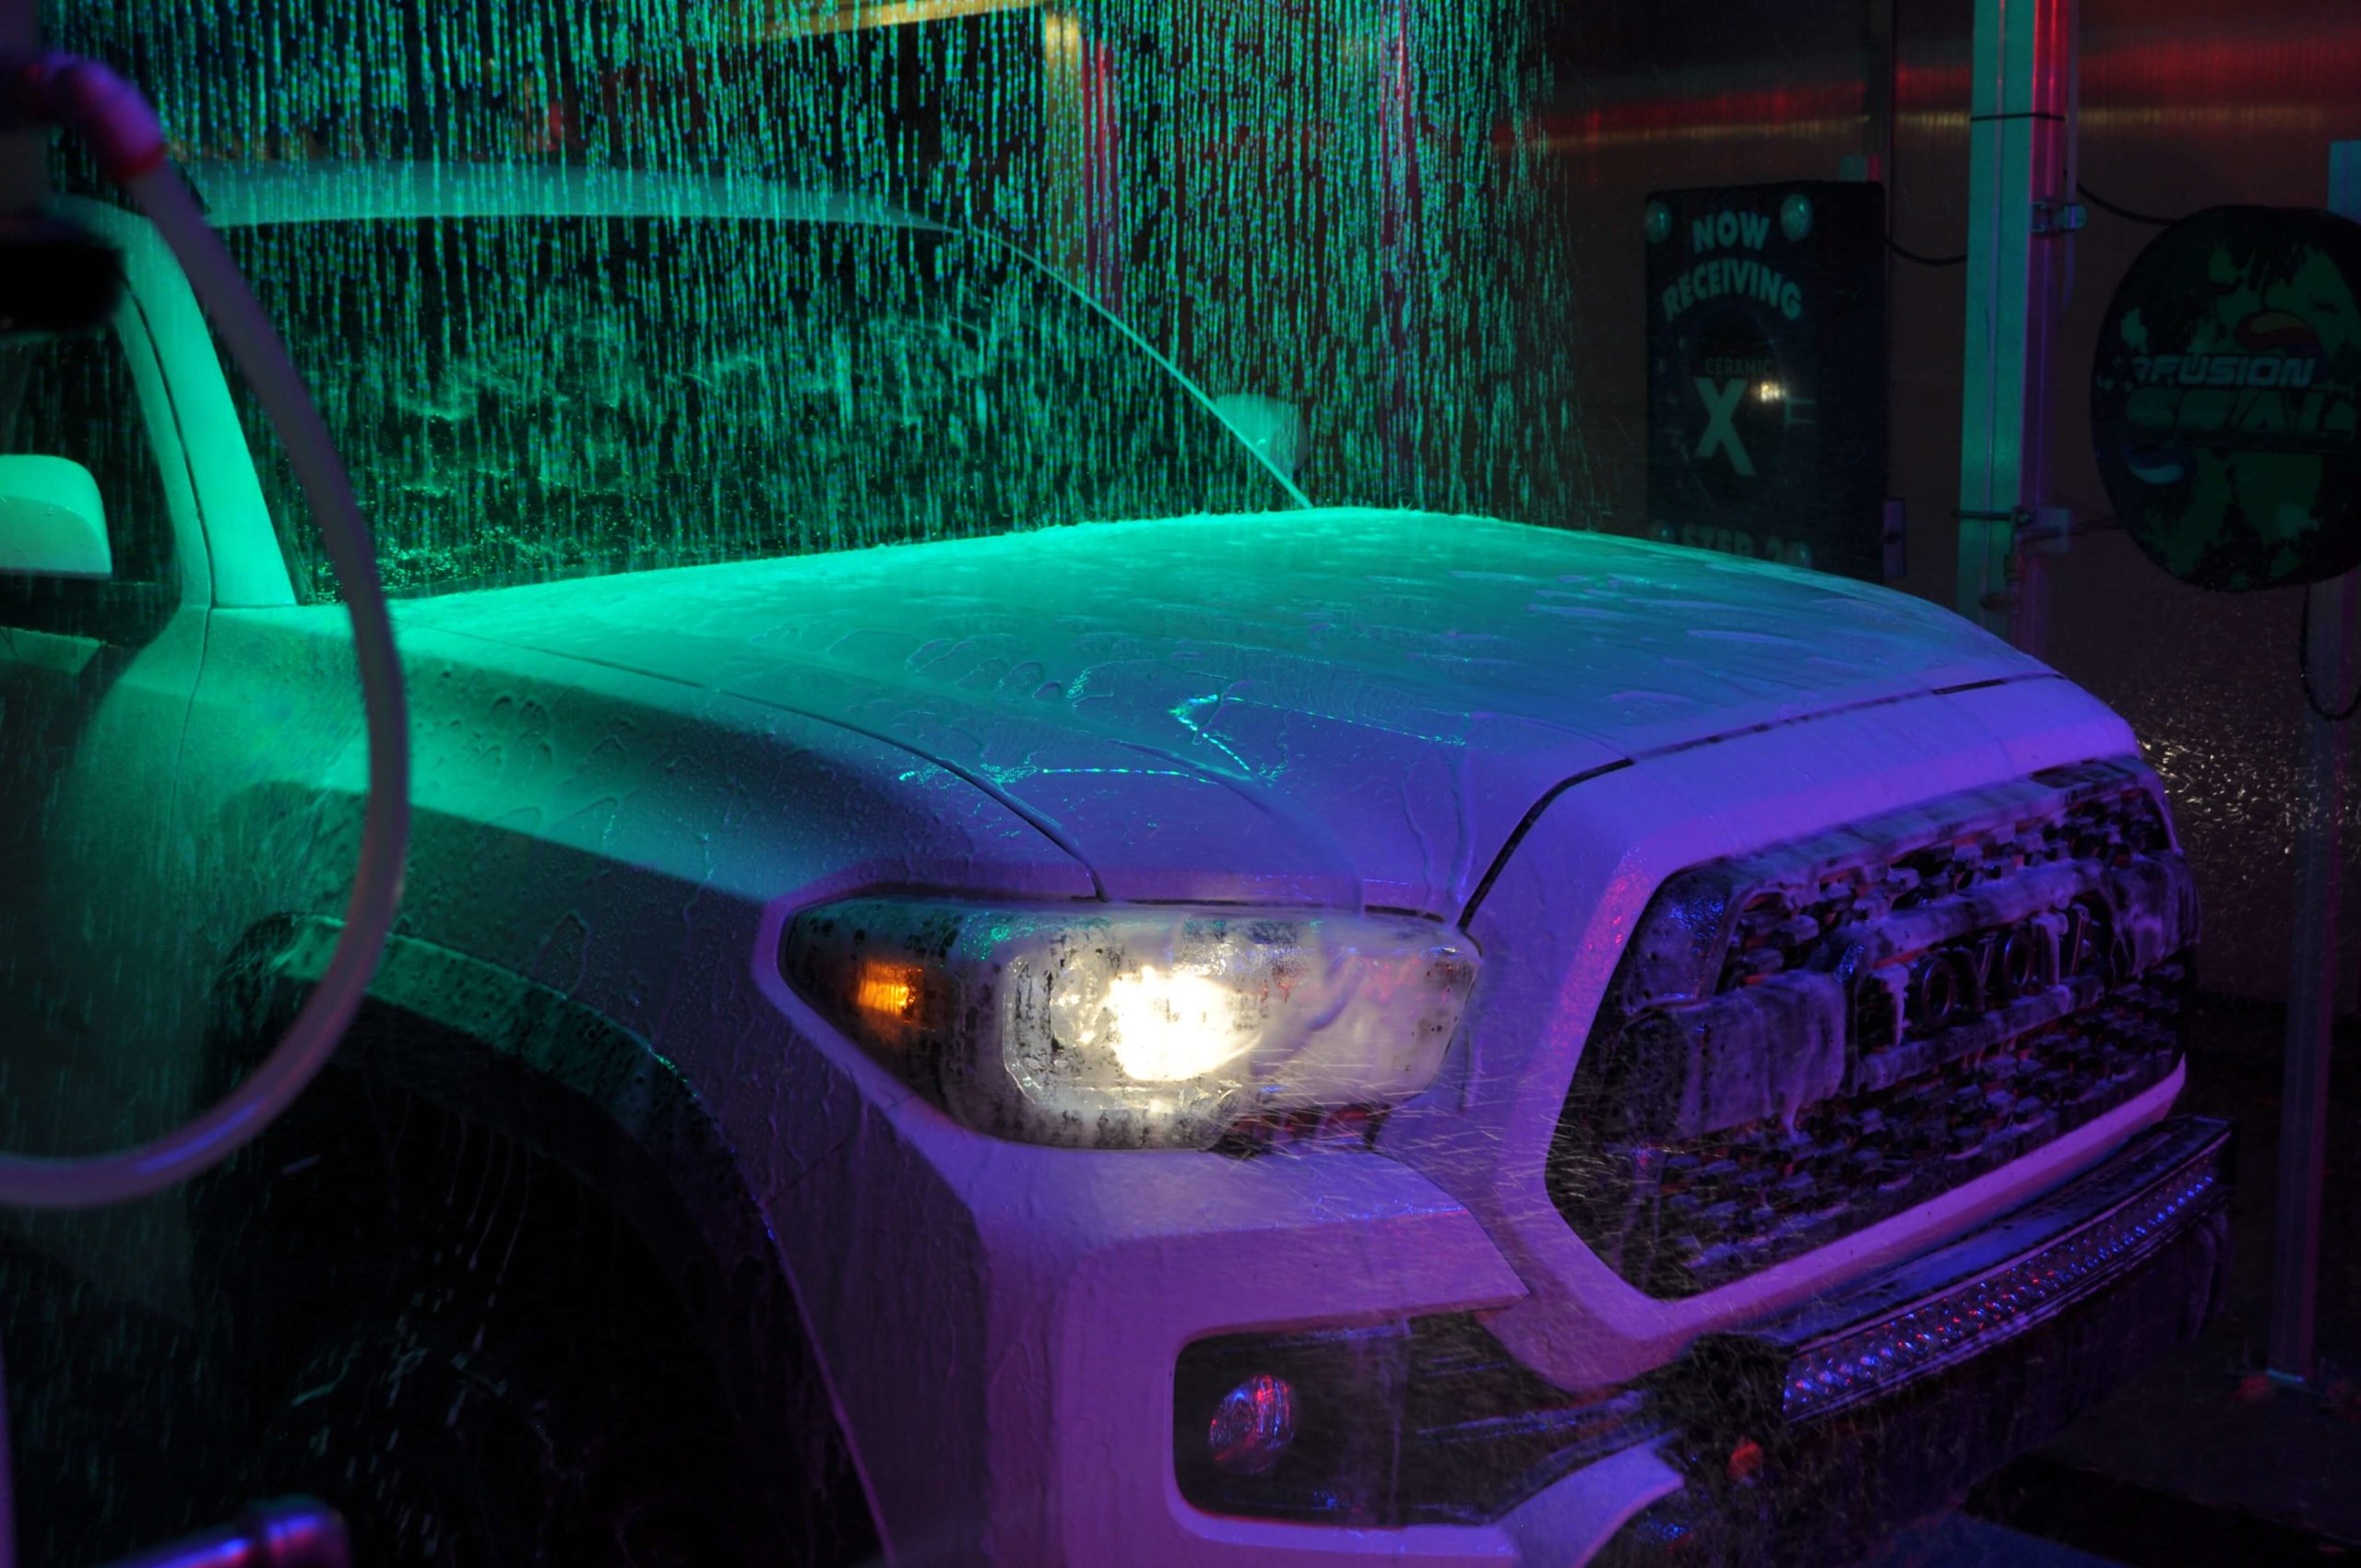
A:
[1330,707]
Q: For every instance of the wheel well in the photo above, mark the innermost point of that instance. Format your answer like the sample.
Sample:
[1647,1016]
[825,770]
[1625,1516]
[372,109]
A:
[427,1156]
[366,1190]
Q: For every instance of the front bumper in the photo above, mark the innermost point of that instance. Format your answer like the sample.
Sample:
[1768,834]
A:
[1807,1437]
[1801,1437]
[1003,1323]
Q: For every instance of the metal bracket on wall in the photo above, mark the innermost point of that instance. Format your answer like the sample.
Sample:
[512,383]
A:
[2051,218]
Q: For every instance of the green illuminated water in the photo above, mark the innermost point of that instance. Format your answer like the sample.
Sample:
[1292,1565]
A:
[553,397]
[1324,201]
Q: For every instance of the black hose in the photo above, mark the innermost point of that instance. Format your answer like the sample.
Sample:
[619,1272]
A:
[1908,255]
[2126,214]
[2304,666]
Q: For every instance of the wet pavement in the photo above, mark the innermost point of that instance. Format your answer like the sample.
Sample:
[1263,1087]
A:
[1958,1541]
[2202,1460]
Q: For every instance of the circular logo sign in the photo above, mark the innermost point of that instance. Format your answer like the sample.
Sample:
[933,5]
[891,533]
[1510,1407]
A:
[2224,398]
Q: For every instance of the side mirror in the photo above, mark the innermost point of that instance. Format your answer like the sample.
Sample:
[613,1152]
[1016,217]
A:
[1273,428]
[52,522]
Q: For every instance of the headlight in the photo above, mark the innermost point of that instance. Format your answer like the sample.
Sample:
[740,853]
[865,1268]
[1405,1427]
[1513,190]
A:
[1134,1028]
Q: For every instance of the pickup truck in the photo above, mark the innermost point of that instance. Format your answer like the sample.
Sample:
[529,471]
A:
[982,983]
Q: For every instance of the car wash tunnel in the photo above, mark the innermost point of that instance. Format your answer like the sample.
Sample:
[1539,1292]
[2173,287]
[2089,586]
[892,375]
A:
[1136,783]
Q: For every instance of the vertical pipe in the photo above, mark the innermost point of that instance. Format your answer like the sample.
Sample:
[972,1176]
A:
[1082,114]
[2332,613]
[24,181]
[2021,180]
[1882,79]
[1065,215]
[1879,47]
[1106,242]
[1401,249]
[2311,990]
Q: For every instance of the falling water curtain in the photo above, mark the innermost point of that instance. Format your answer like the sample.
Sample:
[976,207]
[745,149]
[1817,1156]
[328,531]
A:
[1332,202]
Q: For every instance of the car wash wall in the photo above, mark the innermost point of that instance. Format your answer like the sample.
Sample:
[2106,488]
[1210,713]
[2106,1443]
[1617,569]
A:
[1300,200]
[2186,104]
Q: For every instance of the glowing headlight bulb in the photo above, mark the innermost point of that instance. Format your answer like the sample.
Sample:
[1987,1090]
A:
[1172,1027]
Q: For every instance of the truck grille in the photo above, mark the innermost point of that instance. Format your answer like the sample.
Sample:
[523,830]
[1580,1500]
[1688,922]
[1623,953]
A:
[1800,1042]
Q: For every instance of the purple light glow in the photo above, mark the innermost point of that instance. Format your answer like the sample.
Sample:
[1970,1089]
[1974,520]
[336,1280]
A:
[1254,1425]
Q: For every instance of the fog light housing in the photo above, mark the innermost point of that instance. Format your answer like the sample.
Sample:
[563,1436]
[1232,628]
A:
[1417,1421]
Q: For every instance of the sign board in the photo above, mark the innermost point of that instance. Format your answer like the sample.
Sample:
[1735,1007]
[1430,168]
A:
[1767,372]
[2224,395]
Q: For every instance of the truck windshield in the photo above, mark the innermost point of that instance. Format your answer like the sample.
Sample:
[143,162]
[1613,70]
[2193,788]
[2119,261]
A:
[538,397]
